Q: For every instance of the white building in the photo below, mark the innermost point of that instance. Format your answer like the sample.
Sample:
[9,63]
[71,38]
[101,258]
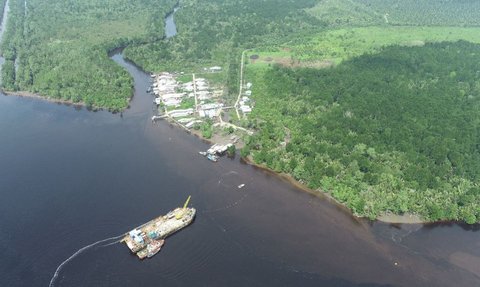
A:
[208,113]
[190,124]
[172,102]
[203,95]
[211,106]
[215,69]
[245,109]
[173,96]
[180,113]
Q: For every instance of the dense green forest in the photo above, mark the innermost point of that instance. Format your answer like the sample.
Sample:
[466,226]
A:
[396,131]
[61,47]
[2,6]
[214,32]
[398,12]
[384,129]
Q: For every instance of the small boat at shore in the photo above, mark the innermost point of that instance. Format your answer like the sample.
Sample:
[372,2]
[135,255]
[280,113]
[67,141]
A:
[204,153]
[212,157]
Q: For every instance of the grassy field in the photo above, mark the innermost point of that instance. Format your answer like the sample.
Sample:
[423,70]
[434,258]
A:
[345,12]
[214,79]
[332,47]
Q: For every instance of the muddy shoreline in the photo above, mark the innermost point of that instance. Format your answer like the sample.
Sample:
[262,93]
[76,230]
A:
[26,94]
[387,218]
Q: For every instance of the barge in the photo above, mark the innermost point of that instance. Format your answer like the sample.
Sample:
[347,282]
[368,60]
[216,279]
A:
[147,239]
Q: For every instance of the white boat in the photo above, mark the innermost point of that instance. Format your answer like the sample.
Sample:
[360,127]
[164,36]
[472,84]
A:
[212,157]
[204,153]
[241,185]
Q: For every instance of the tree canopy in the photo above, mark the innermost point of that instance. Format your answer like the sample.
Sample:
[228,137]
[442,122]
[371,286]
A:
[60,48]
[396,131]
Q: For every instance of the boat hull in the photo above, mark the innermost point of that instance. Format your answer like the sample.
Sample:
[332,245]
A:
[140,239]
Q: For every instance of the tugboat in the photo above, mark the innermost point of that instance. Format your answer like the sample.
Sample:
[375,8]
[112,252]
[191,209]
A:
[152,248]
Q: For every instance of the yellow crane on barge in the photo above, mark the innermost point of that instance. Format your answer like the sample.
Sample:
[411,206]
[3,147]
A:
[147,239]
[180,214]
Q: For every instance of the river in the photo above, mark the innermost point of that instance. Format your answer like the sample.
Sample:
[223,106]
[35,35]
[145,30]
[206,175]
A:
[71,177]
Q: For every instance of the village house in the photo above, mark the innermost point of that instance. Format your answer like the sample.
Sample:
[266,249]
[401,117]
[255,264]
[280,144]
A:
[215,69]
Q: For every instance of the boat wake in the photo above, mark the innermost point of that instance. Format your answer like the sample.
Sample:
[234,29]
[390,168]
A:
[230,182]
[231,205]
[227,179]
[81,250]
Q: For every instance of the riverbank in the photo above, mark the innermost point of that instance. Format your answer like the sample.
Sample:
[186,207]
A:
[71,159]
[78,65]
[26,94]
[218,138]
[387,218]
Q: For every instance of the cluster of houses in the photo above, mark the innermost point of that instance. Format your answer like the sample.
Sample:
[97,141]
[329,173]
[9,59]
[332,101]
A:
[245,103]
[189,103]
[170,94]
[166,91]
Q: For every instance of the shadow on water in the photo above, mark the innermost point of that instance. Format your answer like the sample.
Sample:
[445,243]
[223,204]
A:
[450,224]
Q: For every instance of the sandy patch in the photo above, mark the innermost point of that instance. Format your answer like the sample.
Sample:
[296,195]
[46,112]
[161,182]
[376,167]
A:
[405,218]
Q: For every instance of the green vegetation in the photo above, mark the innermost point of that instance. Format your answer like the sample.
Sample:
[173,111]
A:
[214,79]
[185,78]
[187,103]
[334,46]
[207,129]
[61,47]
[345,13]
[390,128]
[397,12]
[427,12]
[215,32]
[389,124]
[231,151]
[395,131]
